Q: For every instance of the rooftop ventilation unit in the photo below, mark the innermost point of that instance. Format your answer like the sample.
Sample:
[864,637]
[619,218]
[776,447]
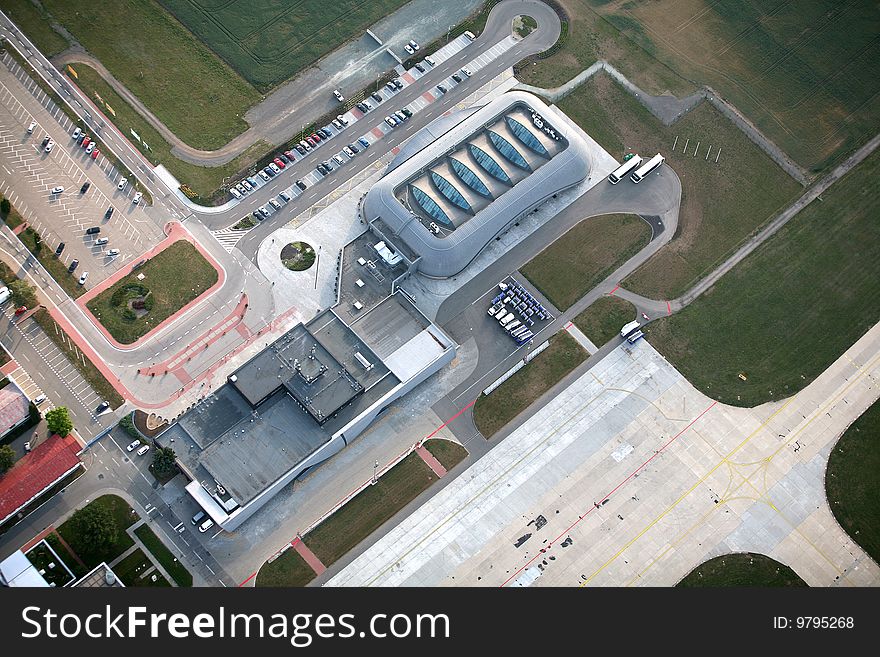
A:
[363,361]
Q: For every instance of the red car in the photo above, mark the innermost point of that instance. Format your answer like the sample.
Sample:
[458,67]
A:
[289,155]
[95,154]
[316,136]
[86,142]
[21,310]
[280,164]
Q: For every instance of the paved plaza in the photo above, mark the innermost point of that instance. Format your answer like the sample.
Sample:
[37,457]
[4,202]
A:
[631,476]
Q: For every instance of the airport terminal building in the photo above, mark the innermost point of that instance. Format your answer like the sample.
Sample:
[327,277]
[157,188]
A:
[458,184]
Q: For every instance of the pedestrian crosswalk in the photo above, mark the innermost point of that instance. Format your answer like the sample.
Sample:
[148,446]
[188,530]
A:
[228,237]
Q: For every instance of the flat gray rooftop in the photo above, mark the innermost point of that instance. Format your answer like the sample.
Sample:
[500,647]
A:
[263,447]
[219,412]
[375,280]
[390,325]
[343,345]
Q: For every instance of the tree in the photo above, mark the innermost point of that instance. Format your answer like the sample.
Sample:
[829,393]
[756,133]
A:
[59,421]
[22,294]
[164,462]
[38,242]
[5,207]
[7,458]
[95,527]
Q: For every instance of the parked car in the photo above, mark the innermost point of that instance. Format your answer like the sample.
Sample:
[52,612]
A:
[50,146]
[275,203]
[90,148]
[390,87]
[109,212]
[300,148]
[279,163]
[45,140]
[56,190]
[306,145]
[322,169]
[466,71]
[430,60]
[342,119]
[409,49]
[143,450]
[112,253]
[205,526]
[264,211]
[290,156]
[456,77]
[21,310]
[33,124]
[397,82]
[336,124]
[253,181]
[94,230]
[413,45]
[72,266]
[391,122]
[311,142]
[235,193]
[82,279]
[420,68]
[85,187]
[198,517]
[375,96]
[338,159]
[363,142]
[441,88]
[101,241]
[317,138]
[407,112]
[363,107]
[76,131]
[241,188]
[301,185]
[400,116]
[39,399]
[284,196]
[256,215]
[354,148]
[59,250]
[103,406]
[469,35]
[264,176]
[122,183]
[133,445]
[95,154]
[81,138]
[286,160]
[269,171]
[137,198]
[86,141]
[5,294]
[275,168]
[339,95]
[325,132]
[348,151]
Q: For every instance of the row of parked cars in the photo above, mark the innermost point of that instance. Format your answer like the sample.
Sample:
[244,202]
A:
[517,311]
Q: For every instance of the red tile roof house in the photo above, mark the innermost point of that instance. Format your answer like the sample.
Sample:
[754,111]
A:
[36,472]
[14,408]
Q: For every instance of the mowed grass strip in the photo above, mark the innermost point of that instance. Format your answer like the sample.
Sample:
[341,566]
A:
[289,570]
[722,203]
[852,481]
[786,312]
[448,452]
[174,277]
[741,569]
[269,41]
[369,509]
[189,88]
[84,366]
[34,22]
[163,555]
[204,181]
[513,396]
[604,318]
[130,570]
[583,257]
[124,517]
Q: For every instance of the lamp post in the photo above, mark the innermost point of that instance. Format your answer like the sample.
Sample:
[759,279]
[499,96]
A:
[375,471]
[447,33]
[378,75]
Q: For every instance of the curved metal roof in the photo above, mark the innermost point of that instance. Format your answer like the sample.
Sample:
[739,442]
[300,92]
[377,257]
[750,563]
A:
[445,256]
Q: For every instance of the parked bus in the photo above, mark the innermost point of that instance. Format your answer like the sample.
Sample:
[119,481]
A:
[640,173]
[512,325]
[621,172]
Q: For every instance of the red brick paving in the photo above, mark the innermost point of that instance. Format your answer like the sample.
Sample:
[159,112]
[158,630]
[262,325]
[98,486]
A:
[431,461]
[309,556]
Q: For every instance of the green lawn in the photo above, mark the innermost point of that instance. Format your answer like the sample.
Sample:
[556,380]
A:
[586,255]
[164,556]
[366,512]
[192,91]
[204,181]
[786,312]
[34,22]
[604,318]
[42,558]
[269,41]
[852,483]
[130,569]
[288,571]
[722,204]
[449,453]
[803,72]
[741,569]
[174,277]
[85,366]
[124,516]
[78,569]
[513,396]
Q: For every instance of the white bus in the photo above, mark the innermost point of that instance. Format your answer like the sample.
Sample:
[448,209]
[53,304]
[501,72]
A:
[620,172]
[640,173]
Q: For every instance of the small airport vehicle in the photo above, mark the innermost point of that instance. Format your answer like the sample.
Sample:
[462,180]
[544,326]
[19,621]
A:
[339,95]
[33,124]
[122,183]
[205,526]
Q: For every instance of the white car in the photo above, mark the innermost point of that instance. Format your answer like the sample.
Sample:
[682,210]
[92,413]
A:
[247,186]
[50,146]
[82,279]
[264,176]
[137,198]
[112,253]
[338,159]
[143,450]
[33,125]
[409,49]
[274,167]
[39,399]
[133,445]
[240,189]
[56,190]
[101,241]
[275,203]
[205,526]
[413,45]
[466,71]
[77,133]
[470,35]
[122,183]
[342,119]
[235,192]
[339,95]
[90,148]
[348,151]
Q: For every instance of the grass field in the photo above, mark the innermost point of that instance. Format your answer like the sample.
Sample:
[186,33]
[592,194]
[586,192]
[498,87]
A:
[193,92]
[289,570]
[604,318]
[130,569]
[803,72]
[513,396]
[269,41]
[741,569]
[583,257]
[852,483]
[722,204]
[88,370]
[449,453]
[124,517]
[42,558]
[204,181]
[786,312]
[35,24]
[163,555]
[174,277]
[366,512]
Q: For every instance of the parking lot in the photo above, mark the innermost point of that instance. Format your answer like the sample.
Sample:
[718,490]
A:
[64,217]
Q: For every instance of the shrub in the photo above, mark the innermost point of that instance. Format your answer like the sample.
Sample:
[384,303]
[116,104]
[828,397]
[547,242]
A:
[127,425]
[149,301]
[5,207]
[128,315]
[59,421]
